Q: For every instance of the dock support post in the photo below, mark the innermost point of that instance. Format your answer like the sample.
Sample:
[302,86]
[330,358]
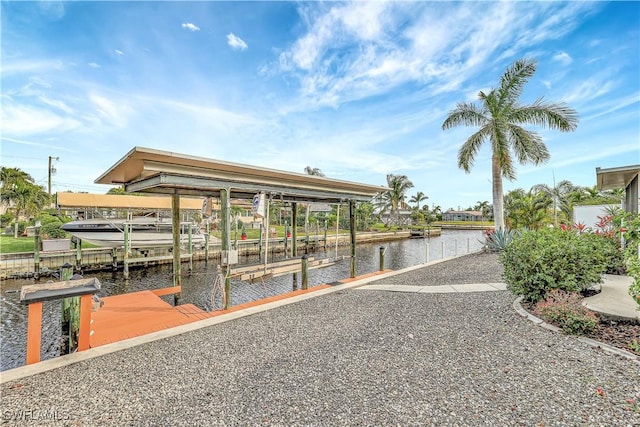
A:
[286,240]
[382,251]
[36,251]
[78,254]
[190,249]
[127,250]
[114,259]
[325,235]
[34,332]
[206,242]
[260,242]
[352,230]
[427,257]
[305,272]
[177,266]
[225,231]
[294,239]
[70,313]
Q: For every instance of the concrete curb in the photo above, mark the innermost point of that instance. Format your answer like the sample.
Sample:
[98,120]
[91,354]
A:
[591,342]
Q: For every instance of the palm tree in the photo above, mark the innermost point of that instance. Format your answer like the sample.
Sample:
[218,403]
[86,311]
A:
[398,186]
[483,207]
[500,116]
[315,172]
[419,197]
[560,195]
[20,193]
[527,209]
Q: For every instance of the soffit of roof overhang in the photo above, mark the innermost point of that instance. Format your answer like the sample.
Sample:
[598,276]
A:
[612,178]
[156,171]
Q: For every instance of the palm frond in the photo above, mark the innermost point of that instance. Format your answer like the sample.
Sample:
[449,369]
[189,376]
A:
[465,114]
[551,115]
[528,145]
[514,78]
[468,150]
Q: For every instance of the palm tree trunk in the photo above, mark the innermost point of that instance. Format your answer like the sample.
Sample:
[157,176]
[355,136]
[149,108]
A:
[498,201]
[17,223]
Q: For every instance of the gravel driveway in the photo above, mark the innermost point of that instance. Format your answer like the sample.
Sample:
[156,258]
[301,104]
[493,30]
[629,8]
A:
[353,357]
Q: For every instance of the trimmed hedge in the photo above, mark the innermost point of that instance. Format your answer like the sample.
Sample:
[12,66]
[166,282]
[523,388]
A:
[539,261]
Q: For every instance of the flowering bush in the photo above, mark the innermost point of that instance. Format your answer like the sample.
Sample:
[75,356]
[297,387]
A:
[564,310]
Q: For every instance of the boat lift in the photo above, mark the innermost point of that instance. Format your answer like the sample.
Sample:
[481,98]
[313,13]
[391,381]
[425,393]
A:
[155,171]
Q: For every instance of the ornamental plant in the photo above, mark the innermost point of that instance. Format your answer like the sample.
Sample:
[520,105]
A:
[537,262]
[565,310]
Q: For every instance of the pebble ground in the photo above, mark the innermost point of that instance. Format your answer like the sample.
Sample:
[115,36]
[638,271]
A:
[353,357]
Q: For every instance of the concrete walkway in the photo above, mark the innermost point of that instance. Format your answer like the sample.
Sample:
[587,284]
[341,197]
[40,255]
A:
[438,289]
[614,300]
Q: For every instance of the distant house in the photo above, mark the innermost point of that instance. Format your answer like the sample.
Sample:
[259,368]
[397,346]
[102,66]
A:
[622,177]
[452,215]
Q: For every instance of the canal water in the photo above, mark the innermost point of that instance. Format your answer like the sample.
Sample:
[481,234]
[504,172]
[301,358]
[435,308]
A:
[197,287]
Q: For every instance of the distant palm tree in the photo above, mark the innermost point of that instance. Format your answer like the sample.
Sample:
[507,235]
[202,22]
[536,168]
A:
[313,171]
[398,186]
[500,116]
[417,198]
[483,207]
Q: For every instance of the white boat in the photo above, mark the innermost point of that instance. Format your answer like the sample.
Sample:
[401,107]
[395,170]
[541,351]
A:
[144,231]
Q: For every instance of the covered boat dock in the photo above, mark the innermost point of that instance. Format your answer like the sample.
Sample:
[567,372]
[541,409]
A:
[148,170]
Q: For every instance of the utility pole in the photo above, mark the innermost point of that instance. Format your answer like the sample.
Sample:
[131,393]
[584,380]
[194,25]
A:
[52,170]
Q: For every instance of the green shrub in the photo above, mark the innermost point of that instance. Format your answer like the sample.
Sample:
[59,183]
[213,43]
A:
[539,261]
[633,270]
[565,310]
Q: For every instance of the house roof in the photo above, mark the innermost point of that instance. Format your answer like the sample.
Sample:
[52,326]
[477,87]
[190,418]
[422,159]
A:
[120,201]
[612,178]
[155,171]
[476,213]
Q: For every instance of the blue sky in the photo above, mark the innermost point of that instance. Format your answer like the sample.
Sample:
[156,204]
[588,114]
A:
[359,89]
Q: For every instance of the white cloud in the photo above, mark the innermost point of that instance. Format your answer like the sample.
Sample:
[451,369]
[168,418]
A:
[236,42]
[119,52]
[93,65]
[190,26]
[344,57]
[563,57]
[25,120]
[110,112]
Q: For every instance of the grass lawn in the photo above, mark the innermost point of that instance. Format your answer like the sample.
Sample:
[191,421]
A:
[9,244]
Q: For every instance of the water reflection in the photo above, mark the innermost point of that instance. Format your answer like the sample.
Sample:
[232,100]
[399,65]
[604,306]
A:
[197,286]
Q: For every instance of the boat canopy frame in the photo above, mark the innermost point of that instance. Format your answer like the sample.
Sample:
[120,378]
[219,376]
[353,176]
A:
[156,171]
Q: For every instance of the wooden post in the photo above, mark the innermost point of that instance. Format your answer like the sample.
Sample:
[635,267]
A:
[70,312]
[286,240]
[294,239]
[206,242]
[352,230]
[442,247]
[127,249]
[224,225]
[325,235]
[382,251]
[114,259]
[305,272]
[260,242]
[85,322]
[36,252]
[177,266]
[78,254]
[190,249]
[427,257]
[34,332]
